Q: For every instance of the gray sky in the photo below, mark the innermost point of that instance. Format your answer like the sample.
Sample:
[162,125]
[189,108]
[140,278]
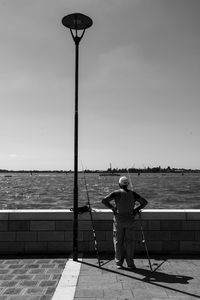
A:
[139,84]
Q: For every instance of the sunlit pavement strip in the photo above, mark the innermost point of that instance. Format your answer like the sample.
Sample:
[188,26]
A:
[67,285]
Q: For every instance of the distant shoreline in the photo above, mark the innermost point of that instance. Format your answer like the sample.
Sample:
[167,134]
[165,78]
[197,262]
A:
[114,171]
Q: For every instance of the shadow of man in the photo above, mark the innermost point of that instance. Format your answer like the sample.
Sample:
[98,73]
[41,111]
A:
[162,277]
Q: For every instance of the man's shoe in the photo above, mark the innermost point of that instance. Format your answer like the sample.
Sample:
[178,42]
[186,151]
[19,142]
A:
[119,267]
[132,267]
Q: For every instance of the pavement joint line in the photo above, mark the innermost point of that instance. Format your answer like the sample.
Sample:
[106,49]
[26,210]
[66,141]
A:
[68,281]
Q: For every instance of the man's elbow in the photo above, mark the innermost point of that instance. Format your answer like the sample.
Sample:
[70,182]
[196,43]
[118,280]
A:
[145,202]
[104,201]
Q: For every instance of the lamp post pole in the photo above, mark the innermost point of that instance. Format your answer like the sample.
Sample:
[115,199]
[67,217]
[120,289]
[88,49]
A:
[75,221]
[76,22]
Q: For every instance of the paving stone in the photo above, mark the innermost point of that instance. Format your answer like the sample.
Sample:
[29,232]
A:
[44,261]
[129,298]
[110,292]
[8,283]
[96,279]
[23,297]
[23,277]
[61,266]
[81,292]
[50,290]
[19,271]
[56,276]
[18,266]
[3,271]
[7,277]
[3,266]
[11,261]
[132,284]
[48,266]
[32,266]
[80,298]
[36,271]
[35,290]
[28,261]
[60,261]
[2,290]
[26,283]
[44,277]
[54,271]
[46,283]
[11,291]
[104,298]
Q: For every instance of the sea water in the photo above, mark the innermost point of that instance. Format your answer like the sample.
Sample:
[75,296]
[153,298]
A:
[55,190]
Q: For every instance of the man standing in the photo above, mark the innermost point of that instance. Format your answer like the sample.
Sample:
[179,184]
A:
[123,226]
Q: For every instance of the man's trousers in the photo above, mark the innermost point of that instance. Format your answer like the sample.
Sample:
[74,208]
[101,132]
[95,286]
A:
[124,240]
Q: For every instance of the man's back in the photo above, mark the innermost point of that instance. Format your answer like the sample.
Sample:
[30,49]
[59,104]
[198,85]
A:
[124,201]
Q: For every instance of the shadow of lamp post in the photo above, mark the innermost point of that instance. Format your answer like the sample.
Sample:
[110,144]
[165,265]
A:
[77,23]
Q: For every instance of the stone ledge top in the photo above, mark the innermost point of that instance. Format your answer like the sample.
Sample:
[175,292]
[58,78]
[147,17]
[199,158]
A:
[98,214]
[95,210]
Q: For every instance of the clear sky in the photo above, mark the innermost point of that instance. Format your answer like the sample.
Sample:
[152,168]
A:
[139,85]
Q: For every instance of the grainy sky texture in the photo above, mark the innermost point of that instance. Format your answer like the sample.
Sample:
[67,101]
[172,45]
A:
[139,85]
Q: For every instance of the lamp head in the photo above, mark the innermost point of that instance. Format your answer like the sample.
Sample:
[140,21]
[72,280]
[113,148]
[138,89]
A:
[77,21]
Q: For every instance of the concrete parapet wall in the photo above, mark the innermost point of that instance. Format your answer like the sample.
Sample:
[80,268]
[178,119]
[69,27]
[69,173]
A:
[51,231]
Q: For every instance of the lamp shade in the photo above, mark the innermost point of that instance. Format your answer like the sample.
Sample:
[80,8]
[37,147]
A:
[77,21]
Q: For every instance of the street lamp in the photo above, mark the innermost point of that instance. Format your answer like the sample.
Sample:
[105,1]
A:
[76,23]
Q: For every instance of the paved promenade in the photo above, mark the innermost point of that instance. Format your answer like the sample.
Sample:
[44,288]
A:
[63,279]
[29,278]
[173,279]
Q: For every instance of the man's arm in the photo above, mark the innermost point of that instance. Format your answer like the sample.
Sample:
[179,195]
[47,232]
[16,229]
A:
[143,202]
[106,201]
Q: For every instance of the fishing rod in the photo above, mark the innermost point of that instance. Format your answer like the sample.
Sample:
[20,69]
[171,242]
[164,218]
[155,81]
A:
[143,241]
[92,221]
